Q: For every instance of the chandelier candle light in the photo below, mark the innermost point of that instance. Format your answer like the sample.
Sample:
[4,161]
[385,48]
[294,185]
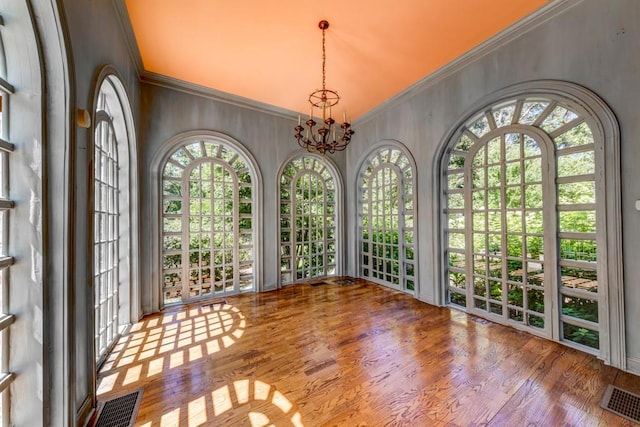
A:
[323,140]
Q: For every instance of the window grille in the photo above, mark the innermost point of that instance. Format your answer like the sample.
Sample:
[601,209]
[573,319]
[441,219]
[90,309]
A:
[208,222]
[386,219]
[522,203]
[308,220]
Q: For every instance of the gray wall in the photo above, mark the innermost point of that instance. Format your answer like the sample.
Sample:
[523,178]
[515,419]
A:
[594,44]
[96,39]
[267,136]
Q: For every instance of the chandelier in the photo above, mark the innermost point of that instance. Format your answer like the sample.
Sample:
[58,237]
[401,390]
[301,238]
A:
[325,139]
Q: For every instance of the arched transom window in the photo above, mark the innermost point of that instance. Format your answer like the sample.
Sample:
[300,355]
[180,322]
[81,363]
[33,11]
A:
[524,241]
[207,222]
[309,194]
[386,209]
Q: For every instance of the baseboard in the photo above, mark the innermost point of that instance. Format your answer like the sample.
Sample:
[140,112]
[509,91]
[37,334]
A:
[633,365]
[85,413]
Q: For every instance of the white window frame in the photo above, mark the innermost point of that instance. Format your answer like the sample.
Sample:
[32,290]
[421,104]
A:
[605,131]
[106,232]
[381,157]
[239,152]
[308,163]
[111,106]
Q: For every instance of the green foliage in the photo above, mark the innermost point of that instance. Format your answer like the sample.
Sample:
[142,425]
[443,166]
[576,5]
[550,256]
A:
[581,335]
[580,308]
[458,299]
[458,279]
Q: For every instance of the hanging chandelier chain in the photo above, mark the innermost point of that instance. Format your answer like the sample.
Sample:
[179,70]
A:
[324,60]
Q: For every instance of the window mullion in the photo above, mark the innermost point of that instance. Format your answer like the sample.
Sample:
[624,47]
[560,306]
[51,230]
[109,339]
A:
[6,146]
[6,204]
[6,261]
[5,381]
[504,236]
[468,225]
[236,231]
[186,249]
[6,87]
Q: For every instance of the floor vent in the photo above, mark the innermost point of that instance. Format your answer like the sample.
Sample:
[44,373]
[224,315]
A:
[216,302]
[319,283]
[621,402]
[120,411]
[344,282]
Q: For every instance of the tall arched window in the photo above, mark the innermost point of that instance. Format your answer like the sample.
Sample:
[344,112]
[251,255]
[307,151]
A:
[113,257]
[525,239]
[208,221]
[310,196]
[386,211]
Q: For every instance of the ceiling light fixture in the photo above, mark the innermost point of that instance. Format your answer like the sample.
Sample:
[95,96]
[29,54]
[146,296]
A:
[323,140]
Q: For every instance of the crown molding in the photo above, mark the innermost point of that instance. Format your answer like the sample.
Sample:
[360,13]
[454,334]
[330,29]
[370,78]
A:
[523,26]
[216,95]
[130,38]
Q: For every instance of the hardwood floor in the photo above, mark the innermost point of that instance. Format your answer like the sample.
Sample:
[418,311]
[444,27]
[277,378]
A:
[351,355]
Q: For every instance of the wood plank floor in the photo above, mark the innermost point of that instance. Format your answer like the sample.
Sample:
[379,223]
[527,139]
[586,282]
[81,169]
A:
[351,355]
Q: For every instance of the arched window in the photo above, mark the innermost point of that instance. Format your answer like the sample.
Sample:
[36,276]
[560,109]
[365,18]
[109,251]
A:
[386,211]
[209,221]
[112,214]
[310,199]
[525,239]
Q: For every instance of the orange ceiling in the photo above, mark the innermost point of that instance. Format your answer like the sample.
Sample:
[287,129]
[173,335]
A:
[271,51]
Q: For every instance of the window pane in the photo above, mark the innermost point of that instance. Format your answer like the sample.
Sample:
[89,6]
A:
[576,164]
[580,308]
[535,299]
[579,278]
[455,201]
[584,336]
[458,299]
[504,115]
[558,117]
[578,221]
[579,250]
[577,193]
[456,221]
[531,110]
[479,127]
[579,135]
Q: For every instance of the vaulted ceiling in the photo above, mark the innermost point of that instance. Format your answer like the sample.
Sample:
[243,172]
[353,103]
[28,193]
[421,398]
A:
[271,51]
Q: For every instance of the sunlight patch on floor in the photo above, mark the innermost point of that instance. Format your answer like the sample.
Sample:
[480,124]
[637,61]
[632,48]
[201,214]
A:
[262,402]
[221,400]
[197,412]
[169,342]
[170,419]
